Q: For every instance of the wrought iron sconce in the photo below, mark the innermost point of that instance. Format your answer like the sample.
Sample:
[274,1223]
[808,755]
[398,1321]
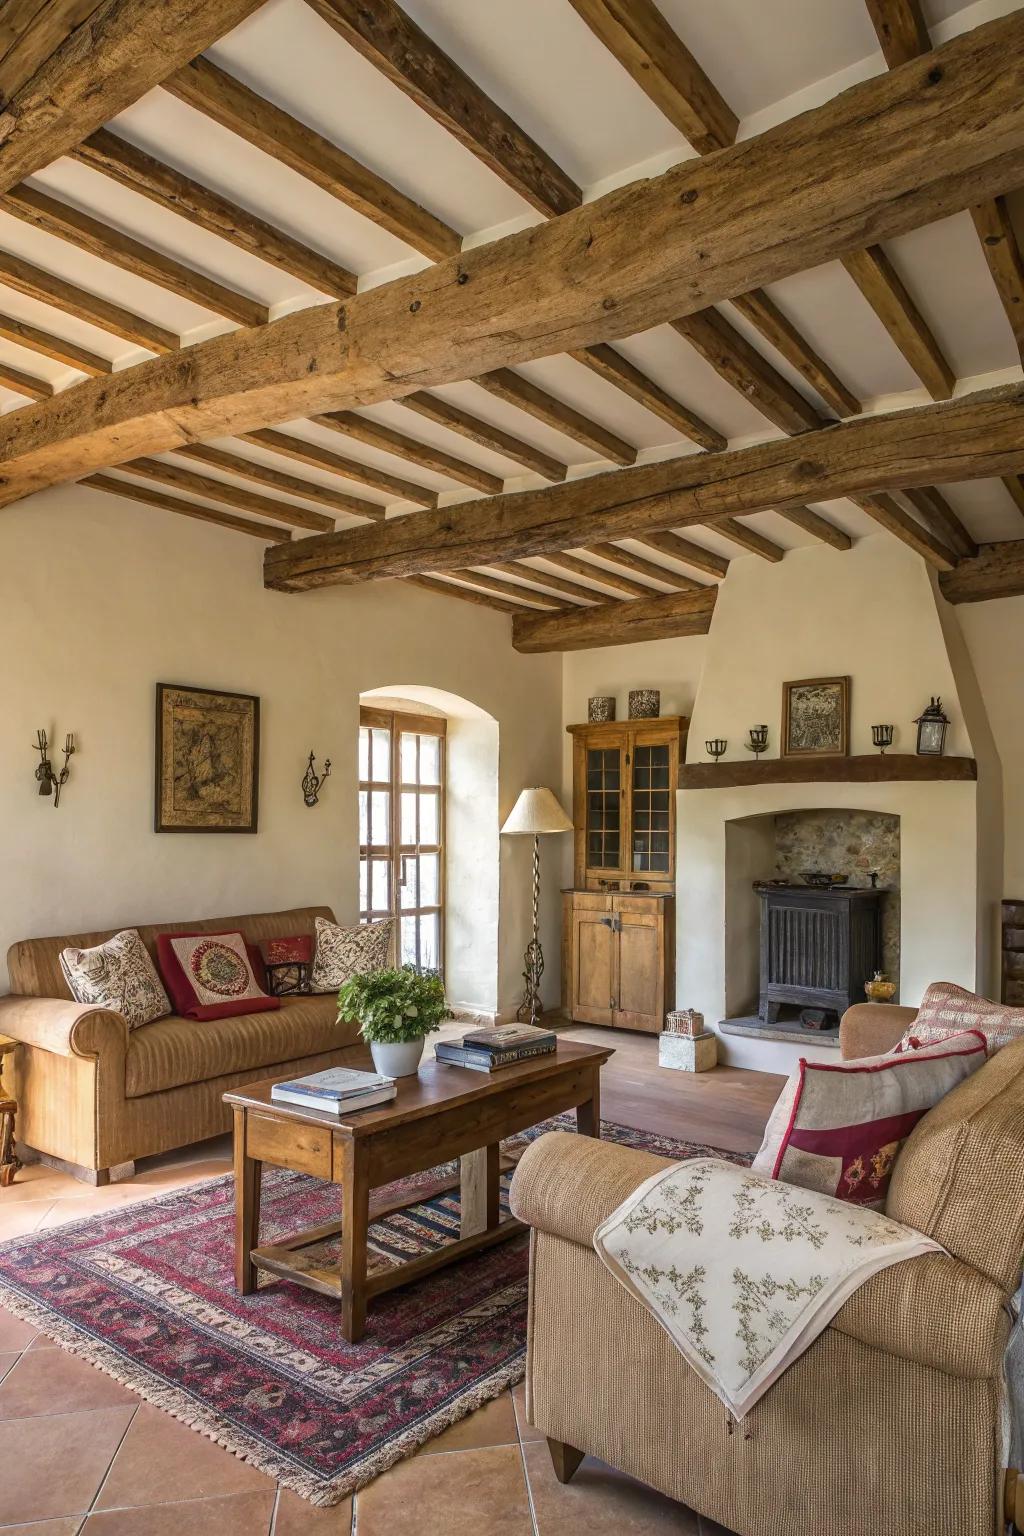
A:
[51,783]
[715,747]
[311,782]
[758,742]
[881,737]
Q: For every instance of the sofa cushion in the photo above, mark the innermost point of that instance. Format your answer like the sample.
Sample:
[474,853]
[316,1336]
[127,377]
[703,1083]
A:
[342,953]
[947,1009]
[119,975]
[175,1051]
[211,975]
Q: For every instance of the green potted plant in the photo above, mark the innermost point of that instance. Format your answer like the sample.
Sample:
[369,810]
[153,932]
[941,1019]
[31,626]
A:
[396,1010]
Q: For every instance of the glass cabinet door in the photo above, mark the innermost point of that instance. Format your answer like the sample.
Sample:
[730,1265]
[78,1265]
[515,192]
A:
[604,807]
[651,788]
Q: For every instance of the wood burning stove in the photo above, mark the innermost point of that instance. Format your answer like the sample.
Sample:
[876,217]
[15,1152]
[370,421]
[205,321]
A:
[818,947]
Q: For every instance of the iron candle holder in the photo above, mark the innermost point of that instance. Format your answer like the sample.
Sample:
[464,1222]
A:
[716,747]
[758,742]
[312,783]
[50,782]
[881,737]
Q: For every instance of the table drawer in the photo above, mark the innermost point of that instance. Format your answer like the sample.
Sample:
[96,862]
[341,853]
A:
[289,1144]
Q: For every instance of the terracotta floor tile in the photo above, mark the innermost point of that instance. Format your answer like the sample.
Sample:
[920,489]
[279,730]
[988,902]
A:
[162,1461]
[14,1334]
[53,1465]
[239,1514]
[7,1359]
[38,1181]
[67,1527]
[47,1381]
[470,1493]
[526,1429]
[493,1424]
[16,1220]
[600,1502]
[297,1518]
[41,1341]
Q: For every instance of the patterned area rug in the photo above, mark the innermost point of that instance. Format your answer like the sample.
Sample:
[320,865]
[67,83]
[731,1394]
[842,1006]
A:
[147,1294]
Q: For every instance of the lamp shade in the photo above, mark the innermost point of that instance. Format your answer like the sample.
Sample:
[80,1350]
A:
[537,811]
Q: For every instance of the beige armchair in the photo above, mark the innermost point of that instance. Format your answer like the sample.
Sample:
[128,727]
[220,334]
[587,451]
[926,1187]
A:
[892,1421]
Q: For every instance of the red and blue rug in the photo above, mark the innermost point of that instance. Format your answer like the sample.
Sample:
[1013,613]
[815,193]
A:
[147,1294]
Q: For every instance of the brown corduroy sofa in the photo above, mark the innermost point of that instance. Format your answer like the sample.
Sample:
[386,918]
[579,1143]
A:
[892,1421]
[93,1095]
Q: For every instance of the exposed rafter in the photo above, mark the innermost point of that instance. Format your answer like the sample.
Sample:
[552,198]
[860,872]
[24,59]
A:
[548,579]
[60,294]
[749,539]
[30,31]
[448,588]
[395,45]
[882,286]
[444,414]
[669,543]
[1003,254]
[274,480]
[47,345]
[900,28]
[908,530]
[941,519]
[505,384]
[996,571]
[231,495]
[659,616]
[387,440]
[24,383]
[764,314]
[614,579]
[1015,485]
[610,365]
[150,498]
[512,589]
[227,101]
[819,527]
[643,567]
[336,464]
[741,365]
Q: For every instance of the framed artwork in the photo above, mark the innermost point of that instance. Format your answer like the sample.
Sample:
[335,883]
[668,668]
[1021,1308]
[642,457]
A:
[207,759]
[816,717]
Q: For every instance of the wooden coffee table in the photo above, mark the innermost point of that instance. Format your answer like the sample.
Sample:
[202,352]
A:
[442,1113]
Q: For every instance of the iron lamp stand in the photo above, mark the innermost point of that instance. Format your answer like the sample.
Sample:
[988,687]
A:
[533,958]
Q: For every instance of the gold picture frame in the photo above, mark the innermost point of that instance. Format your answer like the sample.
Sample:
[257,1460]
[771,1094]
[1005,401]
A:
[816,717]
[207,760]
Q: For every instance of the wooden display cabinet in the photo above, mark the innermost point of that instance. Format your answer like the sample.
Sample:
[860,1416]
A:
[617,965]
[625,775]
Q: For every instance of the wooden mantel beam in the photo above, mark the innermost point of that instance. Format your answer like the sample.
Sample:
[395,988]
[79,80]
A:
[888,155]
[968,438]
[996,571]
[115,55]
[662,616]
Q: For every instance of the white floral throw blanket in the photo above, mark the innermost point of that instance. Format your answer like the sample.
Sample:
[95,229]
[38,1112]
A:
[744,1272]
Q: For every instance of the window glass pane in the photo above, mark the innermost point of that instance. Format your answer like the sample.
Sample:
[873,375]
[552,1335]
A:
[380,817]
[430,760]
[364,885]
[381,893]
[430,941]
[363,817]
[409,892]
[430,873]
[408,769]
[430,831]
[408,832]
[408,939]
[364,752]
[380,756]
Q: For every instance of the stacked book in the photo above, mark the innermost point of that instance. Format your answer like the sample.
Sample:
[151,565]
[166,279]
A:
[486,1050]
[337,1091]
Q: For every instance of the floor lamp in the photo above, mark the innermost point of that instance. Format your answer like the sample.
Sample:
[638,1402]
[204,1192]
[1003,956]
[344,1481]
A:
[535,814]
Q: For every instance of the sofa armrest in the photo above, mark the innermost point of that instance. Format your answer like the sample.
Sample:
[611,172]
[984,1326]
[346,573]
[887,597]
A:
[61,1027]
[871,1029]
[569,1185]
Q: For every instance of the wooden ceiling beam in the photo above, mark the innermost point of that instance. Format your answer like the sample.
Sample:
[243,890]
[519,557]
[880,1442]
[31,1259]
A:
[32,30]
[908,530]
[741,365]
[974,437]
[231,495]
[46,345]
[649,568]
[548,579]
[274,480]
[467,594]
[819,527]
[337,464]
[142,493]
[443,414]
[511,589]
[658,616]
[1015,485]
[610,365]
[60,294]
[896,151]
[900,28]
[767,318]
[941,519]
[394,44]
[881,285]
[79,229]
[387,440]
[637,34]
[227,101]
[749,539]
[587,568]
[121,50]
[997,570]
[669,543]
[1005,262]
[505,384]
[22,383]
[130,167]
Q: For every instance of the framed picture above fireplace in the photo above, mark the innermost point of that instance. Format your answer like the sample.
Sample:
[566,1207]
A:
[816,717]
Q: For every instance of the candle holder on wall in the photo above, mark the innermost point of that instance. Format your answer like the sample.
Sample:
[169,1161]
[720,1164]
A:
[312,782]
[716,747]
[758,742]
[50,782]
[881,737]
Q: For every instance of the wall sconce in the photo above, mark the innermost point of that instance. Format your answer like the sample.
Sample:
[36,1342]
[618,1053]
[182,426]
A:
[881,737]
[931,730]
[51,783]
[311,783]
[758,742]
[716,747]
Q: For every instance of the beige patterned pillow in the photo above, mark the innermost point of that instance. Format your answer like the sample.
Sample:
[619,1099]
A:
[947,1009]
[344,952]
[118,975]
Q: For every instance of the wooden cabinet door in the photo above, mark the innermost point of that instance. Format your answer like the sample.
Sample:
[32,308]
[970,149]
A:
[640,1000]
[595,964]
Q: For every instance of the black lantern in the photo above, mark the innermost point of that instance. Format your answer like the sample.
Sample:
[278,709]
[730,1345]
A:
[931,730]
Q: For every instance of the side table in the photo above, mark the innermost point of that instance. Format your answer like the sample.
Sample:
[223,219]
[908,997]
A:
[9,1163]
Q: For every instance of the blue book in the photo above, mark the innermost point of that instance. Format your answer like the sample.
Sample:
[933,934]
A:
[335,1084]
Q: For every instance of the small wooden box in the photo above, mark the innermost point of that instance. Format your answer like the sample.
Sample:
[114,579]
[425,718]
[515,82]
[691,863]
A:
[688,1053]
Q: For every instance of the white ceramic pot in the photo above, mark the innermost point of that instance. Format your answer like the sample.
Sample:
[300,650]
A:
[398,1060]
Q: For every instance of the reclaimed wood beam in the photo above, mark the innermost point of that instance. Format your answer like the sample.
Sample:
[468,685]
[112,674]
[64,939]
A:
[227,101]
[997,570]
[481,432]
[511,589]
[614,579]
[387,440]
[394,44]
[274,480]
[1015,485]
[1005,262]
[644,567]
[741,365]
[111,58]
[819,527]
[660,616]
[448,588]
[30,336]
[973,437]
[548,579]
[151,498]
[941,519]
[231,495]
[84,232]
[22,383]
[908,530]
[900,28]
[669,543]
[882,286]
[610,365]
[60,294]
[338,464]
[764,314]
[132,168]
[749,539]
[30,31]
[505,384]
[890,154]
[637,34]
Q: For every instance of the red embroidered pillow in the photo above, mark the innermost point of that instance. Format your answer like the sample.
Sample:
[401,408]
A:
[211,975]
[947,1009]
[839,1128]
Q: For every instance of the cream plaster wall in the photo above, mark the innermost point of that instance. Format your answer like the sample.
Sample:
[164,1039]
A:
[100,600]
[994,634]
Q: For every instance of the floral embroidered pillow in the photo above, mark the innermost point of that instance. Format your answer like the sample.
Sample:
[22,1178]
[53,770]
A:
[118,975]
[838,1128]
[212,975]
[345,952]
[947,1009]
